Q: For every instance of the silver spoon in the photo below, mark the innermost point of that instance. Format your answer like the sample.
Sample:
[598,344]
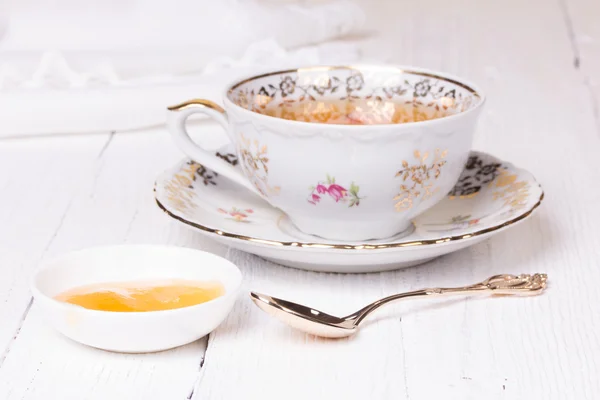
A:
[321,324]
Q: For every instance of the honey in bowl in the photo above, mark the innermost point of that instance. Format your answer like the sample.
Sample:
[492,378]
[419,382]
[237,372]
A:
[359,111]
[142,296]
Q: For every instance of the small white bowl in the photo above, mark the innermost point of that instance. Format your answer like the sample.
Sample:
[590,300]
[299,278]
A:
[134,332]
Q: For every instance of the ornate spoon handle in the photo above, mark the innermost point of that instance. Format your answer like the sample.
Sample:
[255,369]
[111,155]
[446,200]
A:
[523,285]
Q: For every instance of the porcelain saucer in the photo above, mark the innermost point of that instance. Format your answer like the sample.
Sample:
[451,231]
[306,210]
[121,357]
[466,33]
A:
[490,195]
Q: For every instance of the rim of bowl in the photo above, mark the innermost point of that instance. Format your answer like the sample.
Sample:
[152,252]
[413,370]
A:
[46,264]
[396,68]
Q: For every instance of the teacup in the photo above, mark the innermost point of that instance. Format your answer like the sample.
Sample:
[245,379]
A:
[348,153]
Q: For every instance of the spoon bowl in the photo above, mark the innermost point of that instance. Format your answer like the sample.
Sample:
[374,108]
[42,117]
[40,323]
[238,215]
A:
[304,318]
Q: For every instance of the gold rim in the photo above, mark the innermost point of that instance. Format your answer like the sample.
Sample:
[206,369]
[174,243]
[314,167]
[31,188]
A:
[331,68]
[351,247]
[196,102]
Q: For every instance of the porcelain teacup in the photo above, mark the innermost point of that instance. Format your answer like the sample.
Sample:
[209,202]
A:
[348,153]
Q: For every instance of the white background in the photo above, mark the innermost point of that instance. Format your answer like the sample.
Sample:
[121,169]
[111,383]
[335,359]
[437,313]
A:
[538,61]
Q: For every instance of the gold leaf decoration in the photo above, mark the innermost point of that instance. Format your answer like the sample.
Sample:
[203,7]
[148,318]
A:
[418,179]
[255,162]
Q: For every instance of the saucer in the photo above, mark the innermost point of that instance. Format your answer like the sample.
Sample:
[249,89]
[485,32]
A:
[490,196]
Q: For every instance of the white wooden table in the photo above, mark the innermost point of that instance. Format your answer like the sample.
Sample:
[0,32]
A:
[538,61]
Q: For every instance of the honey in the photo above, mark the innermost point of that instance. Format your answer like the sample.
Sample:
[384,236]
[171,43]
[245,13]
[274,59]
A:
[142,296]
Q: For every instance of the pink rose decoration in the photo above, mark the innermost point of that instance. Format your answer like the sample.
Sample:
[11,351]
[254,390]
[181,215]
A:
[349,197]
[321,189]
[337,192]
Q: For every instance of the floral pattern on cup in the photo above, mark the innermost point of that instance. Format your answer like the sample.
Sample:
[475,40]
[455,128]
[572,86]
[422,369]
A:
[418,179]
[237,214]
[428,94]
[255,162]
[338,193]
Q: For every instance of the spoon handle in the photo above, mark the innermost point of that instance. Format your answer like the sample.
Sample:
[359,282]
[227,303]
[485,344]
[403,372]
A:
[524,285]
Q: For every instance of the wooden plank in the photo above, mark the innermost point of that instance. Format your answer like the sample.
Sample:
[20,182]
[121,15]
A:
[112,203]
[39,179]
[581,18]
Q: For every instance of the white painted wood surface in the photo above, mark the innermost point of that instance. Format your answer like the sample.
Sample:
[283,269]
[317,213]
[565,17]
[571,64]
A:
[538,61]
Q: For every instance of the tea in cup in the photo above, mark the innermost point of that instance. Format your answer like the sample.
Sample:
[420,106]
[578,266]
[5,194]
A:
[348,153]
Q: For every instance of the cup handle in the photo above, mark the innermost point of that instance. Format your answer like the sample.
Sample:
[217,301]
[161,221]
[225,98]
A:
[176,118]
